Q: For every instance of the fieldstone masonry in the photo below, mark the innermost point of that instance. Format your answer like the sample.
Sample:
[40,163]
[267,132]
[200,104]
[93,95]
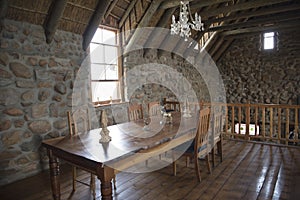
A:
[35,92]
[262,76]
[37,80]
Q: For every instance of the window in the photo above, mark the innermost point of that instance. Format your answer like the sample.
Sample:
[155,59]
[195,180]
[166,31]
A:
[105,71]
[269,40]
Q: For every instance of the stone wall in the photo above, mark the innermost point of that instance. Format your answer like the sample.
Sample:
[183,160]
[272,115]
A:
[260,76]
[36,81]
[152,75]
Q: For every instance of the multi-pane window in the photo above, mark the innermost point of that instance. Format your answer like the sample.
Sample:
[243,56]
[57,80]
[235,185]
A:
[104,65]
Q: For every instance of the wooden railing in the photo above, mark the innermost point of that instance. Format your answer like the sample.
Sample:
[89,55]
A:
[273,123]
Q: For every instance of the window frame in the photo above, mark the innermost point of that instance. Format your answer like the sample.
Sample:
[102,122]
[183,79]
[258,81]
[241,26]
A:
[264,38]
[119,69]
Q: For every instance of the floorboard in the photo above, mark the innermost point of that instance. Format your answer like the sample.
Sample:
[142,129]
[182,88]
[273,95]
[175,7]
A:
[248,171]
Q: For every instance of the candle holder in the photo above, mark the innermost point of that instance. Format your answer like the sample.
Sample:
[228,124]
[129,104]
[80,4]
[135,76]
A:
[104,131]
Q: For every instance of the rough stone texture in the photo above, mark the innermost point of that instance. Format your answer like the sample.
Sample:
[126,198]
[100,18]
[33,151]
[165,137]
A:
[5,124]
[40,126]
[152,75]
[32,73]
[13,112]
[39,111]
[20,70]
[44,93]
[261,76]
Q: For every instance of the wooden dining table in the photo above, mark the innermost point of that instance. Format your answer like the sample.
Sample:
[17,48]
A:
[131,144]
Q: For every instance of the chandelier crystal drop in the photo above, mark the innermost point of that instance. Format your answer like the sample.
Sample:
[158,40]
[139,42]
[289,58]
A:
[183,26]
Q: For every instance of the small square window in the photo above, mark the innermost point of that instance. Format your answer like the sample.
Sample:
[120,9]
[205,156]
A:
[269,40]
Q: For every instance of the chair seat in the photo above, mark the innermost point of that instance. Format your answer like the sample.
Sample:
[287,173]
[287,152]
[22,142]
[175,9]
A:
[188,148]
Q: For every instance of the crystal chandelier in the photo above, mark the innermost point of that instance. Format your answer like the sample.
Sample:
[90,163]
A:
[182,26]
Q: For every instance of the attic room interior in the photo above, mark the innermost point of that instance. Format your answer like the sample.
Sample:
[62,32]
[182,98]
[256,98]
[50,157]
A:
[149,99]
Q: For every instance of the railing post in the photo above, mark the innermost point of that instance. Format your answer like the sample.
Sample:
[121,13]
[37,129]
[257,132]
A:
[247,120]
[287,125]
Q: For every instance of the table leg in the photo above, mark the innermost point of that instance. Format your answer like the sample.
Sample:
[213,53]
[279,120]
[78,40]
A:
[54,175]
[106,176]
[106,190]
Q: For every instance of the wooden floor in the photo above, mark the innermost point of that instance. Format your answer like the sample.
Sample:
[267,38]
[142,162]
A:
[249,171]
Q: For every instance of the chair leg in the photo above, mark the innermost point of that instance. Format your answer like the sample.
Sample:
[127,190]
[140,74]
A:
[220,149]
[174,164]
[74,175]
[174,168]
[208,163]
[114,182]
[213,156]
[187,161]
[197,168]
[93,185]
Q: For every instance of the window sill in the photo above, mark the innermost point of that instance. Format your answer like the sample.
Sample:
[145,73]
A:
[108,103]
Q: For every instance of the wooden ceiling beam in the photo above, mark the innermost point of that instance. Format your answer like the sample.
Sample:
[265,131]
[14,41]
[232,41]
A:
[261,12]
[290,25]
[239,7]
[51,23]
[94,22]
[161,24]
[254,22]
[144,22]
[126,14]
[200,3]
[110,8]
[220,52]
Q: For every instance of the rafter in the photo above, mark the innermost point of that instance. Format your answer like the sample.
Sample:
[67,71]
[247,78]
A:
[291,25]
[254,22]
[261,12]
[126,14]
[110,8]
[144,22]
[200,3]
[94,22]
[239,7]
[52,21]
[162,23]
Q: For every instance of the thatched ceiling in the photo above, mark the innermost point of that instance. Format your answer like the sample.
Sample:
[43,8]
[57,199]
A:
[228,18]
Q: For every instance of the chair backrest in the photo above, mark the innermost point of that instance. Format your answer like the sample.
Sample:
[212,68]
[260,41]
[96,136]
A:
[171,105]
[202,131]
[217,123]
[135,112]
[154,108]
[79,121]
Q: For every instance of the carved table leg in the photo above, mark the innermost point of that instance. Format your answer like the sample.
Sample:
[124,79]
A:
[106,190]
[54,175]
[106,175]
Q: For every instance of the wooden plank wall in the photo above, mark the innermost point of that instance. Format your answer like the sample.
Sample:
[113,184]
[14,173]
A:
[131,18]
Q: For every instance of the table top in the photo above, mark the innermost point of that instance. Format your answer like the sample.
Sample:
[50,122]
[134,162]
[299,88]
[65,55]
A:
[127,139]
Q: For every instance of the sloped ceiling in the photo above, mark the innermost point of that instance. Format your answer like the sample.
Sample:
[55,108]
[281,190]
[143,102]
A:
[223,19]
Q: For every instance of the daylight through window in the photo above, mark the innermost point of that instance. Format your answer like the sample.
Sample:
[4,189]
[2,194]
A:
[104,65]
[269,40]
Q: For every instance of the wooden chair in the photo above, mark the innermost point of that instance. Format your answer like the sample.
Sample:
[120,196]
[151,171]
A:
[79,122]
[217,126]
[135,112]
[171,105]
[200,147]
[154,108]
